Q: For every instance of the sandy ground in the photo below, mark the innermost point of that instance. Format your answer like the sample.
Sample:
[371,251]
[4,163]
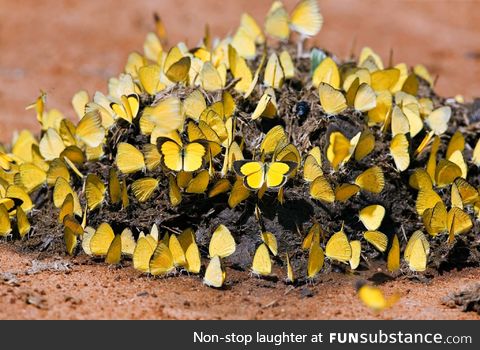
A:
[62,288]
[64,46]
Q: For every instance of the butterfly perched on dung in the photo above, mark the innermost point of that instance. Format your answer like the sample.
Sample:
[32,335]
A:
[256,174]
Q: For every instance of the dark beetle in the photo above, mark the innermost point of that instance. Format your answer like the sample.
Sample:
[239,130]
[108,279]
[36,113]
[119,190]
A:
[302,109]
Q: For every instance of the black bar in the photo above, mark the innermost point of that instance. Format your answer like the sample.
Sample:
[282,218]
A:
[223,335]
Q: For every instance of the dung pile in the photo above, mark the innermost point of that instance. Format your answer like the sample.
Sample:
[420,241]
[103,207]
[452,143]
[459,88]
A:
[247,149]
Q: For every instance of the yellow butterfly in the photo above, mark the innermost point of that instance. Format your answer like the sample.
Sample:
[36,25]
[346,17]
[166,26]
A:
[57,169]
[416,252]
[366,54]
[60,192]
[380,113]
[166,116]
[457,143]
[222,243]
[5,224]
[411,84]
[458,222]
[239,68]
[365,98]
[127,108]
[23,225]
[153,158]
[211,78]
[128,242]
[262,265]
[321,189]
[384,79]
[426,198]
[143,189]
[399,149]
[152,47]
[257,174]
[340,148]
[114,187]
[467,193]
[366,144]
[150,78]
[192,253]
[457,158]
[423,73]
[315,260]
[276,138]
[143,252]
[312,166]
[94,191]
[176,66]
[435,219]
[356,247]
[393,258]
[432,159]
[114,253]
[327,72]
[338,248]
[276,22]
[346,191]
[178,157]
[332,100]
[30,177]
[371,180]
[438,120]
[290,273]
[102,239]
[51,145]
[5,161]
[90,130]
[372,216]
[194,105]
[214,274]
[287,64]
[221,186]
[70,240]
[306,18]
[312,236]
[162,262]
[129,159]
[238,194]
[177,251]
[266,107]
[425,142]
[378,239]
[271,241]
[174,193]
[374,298]
[274,75]
[415,121]
[446,172]
[476,154]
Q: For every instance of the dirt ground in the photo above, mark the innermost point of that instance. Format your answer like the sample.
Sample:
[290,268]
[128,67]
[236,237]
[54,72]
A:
[79,288]
[64,46]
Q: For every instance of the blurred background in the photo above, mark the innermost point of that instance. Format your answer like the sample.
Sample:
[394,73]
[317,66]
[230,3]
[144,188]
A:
[62,46]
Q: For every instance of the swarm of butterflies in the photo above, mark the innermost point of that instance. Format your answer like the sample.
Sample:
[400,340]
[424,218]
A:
[184,102]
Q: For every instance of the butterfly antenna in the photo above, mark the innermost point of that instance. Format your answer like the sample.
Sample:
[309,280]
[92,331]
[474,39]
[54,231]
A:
[353,47]
[435,80]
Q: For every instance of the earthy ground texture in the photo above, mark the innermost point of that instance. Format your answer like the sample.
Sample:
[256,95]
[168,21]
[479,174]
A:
[46,285]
